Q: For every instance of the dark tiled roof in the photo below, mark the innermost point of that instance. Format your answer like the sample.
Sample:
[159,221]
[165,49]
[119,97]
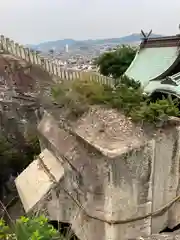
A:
[168,41]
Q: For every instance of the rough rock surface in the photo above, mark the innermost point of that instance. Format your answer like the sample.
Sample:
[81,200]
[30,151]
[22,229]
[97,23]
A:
[105,179]
[163,236]
[109,130]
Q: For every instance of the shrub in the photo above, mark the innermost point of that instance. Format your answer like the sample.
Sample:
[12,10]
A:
[4,230]
[158,111]
[92,91]
[128,82]
[89,91]
[25,228]
[126,96]
[79,94]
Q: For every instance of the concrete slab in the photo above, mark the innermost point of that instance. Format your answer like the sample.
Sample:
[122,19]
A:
[34,183]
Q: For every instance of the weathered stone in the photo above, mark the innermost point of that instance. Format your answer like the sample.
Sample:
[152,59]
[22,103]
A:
[163,236]
[114,175]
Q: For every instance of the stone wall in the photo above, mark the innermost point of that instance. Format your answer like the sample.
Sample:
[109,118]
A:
[19,51]
[18,119]
[23,77]
[143,181]
[22,89]
[112,178]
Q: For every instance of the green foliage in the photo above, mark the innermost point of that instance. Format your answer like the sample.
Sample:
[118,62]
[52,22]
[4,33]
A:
[126,96]
[35,228]
[128,82]
[79,94]
[115,63]
[58,91]
[88,92]
[25,228]
[158,111]
[91,91]
[4,230]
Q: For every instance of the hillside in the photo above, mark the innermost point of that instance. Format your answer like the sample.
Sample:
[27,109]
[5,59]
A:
[60,44]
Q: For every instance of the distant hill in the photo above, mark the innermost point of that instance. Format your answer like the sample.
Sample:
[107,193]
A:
[60,44]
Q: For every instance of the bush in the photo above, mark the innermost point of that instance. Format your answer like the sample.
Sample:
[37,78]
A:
[4,230]
[29,228]
[79,94]
[128,82]
[126,96]
[154,112]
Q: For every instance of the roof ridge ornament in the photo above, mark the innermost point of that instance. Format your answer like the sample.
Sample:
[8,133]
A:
[146,36]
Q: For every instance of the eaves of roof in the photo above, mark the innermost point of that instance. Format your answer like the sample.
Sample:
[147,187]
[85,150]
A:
[170,85]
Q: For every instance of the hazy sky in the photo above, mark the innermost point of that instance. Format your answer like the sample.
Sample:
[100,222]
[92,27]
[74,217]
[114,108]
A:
[34,21]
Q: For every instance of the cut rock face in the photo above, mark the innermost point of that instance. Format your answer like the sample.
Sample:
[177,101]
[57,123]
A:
[104,166]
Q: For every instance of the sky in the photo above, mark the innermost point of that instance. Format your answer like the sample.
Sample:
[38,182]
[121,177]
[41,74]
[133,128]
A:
[35,21]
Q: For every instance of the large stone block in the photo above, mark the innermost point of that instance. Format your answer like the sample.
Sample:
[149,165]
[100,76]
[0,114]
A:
[115,175]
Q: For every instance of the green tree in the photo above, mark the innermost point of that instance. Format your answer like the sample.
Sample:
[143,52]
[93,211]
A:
[116,62]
